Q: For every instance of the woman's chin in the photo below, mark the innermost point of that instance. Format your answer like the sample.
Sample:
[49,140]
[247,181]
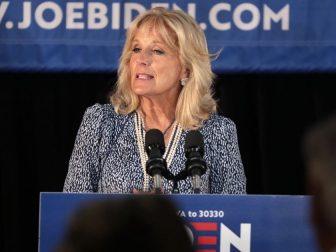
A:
[141,90]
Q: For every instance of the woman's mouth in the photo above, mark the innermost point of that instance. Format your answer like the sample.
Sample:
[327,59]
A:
[144,76]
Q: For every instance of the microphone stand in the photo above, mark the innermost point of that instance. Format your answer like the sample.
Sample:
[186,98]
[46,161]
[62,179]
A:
[175,187]
[176,178]
[156,168]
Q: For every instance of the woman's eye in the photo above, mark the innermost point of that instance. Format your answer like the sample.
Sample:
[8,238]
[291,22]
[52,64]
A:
[136,50]
[158,52]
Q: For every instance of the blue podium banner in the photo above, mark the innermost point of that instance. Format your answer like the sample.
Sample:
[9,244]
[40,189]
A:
[220,223]
[254,35]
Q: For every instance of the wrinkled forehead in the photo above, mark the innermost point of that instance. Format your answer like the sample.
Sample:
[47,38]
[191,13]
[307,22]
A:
[158,28]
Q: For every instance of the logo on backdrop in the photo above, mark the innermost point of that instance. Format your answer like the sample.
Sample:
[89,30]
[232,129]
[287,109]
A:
[216,236]
[98,15]
[213,236]
[77,35]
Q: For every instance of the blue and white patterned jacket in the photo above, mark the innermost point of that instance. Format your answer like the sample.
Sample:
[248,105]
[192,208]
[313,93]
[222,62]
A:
[106,156]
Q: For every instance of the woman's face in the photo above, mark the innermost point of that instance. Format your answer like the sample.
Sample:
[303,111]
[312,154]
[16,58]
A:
[156,70]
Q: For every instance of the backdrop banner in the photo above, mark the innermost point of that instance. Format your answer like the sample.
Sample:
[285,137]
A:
[253,35]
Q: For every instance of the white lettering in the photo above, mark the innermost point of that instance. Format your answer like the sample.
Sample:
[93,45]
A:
[129,8]
[116,16]
[181,213]
[191,9]
[282,15]
[97,18]
[3,8]
[237,16]
[73,15]
[58,15]
[25,23]
[223,16]
[242,243]
[213,16]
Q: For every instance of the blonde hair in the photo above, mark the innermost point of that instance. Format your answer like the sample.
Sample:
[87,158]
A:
[180,32]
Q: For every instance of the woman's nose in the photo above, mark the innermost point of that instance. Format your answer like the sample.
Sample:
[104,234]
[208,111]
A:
[145,58]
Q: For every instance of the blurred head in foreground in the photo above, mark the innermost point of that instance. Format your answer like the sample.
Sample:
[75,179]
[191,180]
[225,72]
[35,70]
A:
[320,156]
[137,223]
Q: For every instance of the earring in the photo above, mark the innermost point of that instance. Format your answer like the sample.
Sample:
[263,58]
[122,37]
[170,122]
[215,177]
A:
[184,81]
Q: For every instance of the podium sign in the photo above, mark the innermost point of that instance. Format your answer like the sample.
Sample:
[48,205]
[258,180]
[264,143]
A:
[220,223]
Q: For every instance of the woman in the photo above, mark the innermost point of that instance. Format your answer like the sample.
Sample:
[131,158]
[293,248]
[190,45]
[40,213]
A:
[164,82]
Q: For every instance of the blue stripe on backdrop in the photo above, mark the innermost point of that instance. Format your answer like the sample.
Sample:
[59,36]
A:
[255,36]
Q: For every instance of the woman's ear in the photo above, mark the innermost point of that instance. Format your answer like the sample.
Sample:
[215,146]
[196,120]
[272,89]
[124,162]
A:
[184,77]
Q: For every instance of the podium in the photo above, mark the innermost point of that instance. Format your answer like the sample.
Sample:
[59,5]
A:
[223,223]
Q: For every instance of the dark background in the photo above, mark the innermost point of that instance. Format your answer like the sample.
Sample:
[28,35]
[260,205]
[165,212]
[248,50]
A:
[40,115]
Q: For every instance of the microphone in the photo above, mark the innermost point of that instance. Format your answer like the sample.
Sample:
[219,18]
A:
[195,164]
[156,165]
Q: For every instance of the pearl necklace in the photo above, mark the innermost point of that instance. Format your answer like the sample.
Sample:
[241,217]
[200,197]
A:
[169,151]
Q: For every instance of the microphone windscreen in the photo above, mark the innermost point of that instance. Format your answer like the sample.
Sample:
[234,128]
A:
[154,137]
[194,139]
